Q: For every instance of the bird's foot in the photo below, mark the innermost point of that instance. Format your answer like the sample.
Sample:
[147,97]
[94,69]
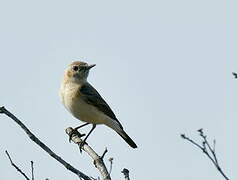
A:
[74,132]
[82,143]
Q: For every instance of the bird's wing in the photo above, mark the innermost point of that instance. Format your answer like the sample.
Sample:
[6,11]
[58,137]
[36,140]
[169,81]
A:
[91,96]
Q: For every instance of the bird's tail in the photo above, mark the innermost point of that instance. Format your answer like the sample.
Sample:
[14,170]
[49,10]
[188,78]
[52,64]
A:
[118,128]
[124,135]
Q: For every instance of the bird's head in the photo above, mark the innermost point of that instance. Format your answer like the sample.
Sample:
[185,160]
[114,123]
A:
[78,71]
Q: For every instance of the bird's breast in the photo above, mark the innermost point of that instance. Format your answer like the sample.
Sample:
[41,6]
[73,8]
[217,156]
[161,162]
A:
[74,103]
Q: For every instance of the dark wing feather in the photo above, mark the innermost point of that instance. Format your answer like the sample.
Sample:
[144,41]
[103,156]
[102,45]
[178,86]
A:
[91,96]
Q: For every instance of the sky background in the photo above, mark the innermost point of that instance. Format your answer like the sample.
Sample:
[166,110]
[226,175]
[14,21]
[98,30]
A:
[164,67]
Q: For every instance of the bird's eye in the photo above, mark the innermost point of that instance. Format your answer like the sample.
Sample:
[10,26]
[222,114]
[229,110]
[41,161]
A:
[75,68]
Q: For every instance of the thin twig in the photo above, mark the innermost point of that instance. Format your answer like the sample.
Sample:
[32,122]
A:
[103,155]
[211,150]
[207,149]
[16,167]
[190,140]
[111,164]
[32,170]
[43,146]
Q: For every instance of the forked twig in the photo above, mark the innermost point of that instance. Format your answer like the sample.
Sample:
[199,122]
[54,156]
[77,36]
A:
[207,150]
[43,146]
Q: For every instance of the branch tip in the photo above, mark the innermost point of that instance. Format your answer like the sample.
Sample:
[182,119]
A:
[200,131]
[2,109]
[16,167]
[111,164]
[103,155]
[183,136]
[126,173]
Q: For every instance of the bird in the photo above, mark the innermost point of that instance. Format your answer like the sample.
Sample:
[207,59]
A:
[83,101]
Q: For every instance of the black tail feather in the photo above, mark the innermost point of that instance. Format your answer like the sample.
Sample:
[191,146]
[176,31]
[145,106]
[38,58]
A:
[128,139]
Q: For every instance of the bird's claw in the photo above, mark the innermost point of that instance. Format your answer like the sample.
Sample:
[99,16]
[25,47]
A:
[75,132]
[82,143]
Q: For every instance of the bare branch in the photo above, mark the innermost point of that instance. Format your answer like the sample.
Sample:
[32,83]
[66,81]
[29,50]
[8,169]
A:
[126,174]
[43,146]
[207,150]
[32,170]
[16,167]
[98,161]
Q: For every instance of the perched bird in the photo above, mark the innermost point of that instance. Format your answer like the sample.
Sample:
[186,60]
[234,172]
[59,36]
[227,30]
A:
[83,101]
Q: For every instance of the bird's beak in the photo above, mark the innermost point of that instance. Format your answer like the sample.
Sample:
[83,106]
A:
[90,66]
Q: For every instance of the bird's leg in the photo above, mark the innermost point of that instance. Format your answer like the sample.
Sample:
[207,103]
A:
[81,126]
[84,140]
[93,127]
[74,131]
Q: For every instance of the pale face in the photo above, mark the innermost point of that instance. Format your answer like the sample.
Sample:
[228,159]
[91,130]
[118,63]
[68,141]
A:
[78,71]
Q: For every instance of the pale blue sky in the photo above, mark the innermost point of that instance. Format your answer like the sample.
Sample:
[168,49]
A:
[164,67]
